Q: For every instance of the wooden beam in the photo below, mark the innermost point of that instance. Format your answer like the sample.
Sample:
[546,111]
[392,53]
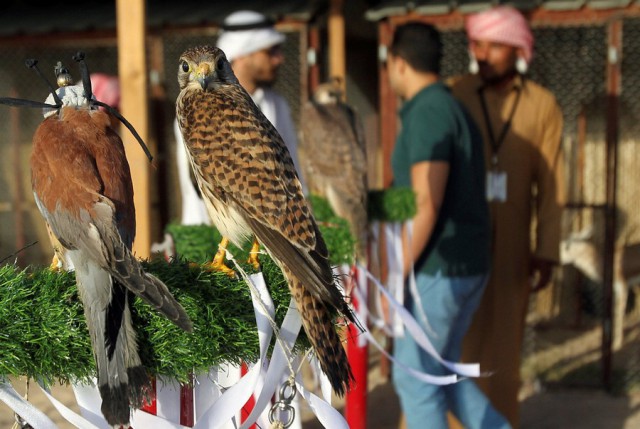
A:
[337,49]
[314,69]
[614,80]
[132,71]
[538,17]
[388,107]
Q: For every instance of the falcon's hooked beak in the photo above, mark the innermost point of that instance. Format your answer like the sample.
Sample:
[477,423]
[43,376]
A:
[204,75]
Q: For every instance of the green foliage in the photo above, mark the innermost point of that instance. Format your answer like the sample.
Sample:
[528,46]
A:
[391,205]
[321,208]
[335,231]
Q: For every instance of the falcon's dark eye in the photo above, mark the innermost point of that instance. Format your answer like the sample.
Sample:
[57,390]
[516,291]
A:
[220,64]
[185,66]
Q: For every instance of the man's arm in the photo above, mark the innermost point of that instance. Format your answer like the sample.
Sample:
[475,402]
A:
[429,181]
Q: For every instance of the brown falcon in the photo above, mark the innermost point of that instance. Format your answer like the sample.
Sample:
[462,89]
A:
[249,184]
[333,158]
[82,185]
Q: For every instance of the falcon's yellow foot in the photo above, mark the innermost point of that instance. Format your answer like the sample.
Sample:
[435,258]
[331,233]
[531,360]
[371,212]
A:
[253,255]
[55,263]
[218,260]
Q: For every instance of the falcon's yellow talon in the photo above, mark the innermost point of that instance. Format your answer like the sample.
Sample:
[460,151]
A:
[55,263]
[253,255]
[218,260]
[218,264]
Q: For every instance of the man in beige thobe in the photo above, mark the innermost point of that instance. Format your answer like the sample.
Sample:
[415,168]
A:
[522,128]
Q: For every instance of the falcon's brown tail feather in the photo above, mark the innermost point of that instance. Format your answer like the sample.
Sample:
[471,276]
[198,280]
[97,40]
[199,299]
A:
[321,331]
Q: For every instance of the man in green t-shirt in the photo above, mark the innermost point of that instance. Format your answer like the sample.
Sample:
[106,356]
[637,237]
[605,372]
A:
[439,155]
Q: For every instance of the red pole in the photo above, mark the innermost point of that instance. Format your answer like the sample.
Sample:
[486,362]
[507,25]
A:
[151,407]
[356,398]
[187,415]
[251,402]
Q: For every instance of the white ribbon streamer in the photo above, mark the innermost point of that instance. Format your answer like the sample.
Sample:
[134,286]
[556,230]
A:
[328,416]
[428,378]
[413,327]
[237,395]
[26,410]
[395,274]
[68,414]
[279,362]
[439,380]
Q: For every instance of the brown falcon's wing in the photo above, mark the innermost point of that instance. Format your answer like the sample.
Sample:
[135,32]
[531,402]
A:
[82,151]
[93,211]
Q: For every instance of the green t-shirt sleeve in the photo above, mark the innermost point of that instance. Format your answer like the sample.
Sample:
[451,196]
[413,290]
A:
[430,133]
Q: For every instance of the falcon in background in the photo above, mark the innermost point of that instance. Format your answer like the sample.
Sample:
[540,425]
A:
[82,186]
[250,188]
[333,158]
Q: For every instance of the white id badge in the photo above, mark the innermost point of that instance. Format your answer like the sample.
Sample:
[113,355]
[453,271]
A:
[497,186]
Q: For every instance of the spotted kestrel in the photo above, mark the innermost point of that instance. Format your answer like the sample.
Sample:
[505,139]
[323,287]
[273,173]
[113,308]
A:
[250,187]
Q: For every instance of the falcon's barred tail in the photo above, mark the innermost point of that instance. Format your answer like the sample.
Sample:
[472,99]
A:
[320,329]
[121,377]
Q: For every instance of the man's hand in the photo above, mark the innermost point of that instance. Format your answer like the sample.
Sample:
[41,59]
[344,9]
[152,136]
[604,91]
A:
[540,273]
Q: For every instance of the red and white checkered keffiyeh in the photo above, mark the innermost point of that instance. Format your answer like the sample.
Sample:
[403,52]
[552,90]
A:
[502,24]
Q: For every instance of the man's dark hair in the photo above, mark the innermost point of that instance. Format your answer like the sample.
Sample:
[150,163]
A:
[419,45]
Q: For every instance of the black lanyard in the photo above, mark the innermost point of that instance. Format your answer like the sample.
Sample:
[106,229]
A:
[496,144]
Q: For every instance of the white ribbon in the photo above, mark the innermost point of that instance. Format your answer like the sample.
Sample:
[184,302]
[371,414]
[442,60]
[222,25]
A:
[395,274]
[23,408]
[279,362]
[326,414]
[428,378]
[234,398]
[416,331]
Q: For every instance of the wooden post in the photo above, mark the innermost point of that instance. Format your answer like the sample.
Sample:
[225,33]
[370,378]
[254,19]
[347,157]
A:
[132,72]
[388,107]
[356,398]
[614,60]
[314,68]
[337,49]
[18,188]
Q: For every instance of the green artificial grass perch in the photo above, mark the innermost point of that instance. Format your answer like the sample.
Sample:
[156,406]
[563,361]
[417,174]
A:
[43,334]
